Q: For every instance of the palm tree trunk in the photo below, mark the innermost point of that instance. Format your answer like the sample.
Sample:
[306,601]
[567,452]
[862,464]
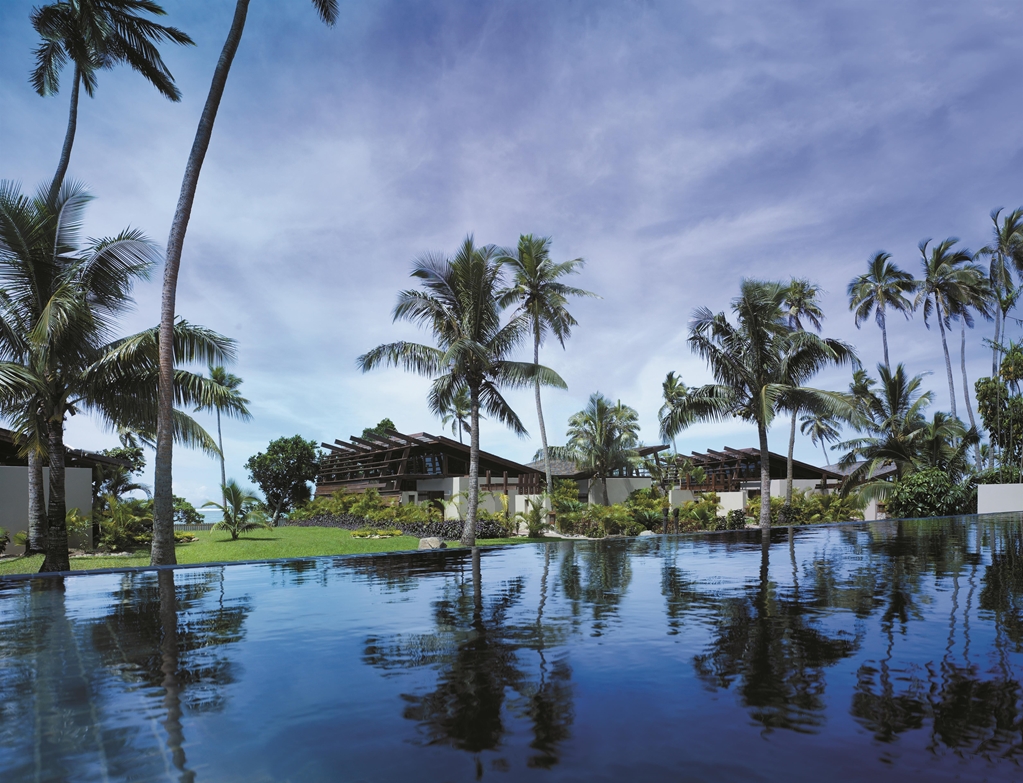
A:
[994,347]
[884,340]
[69,138]
[603,484]
[223,469]
[36,505]
[539,416]
[948,361]
[824,448]
[966,392]
[169,667]
[163,495]
[765,479]
[56,532]
[469,531]
[788,462]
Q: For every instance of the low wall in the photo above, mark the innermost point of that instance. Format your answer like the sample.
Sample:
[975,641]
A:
[618,489]
[999,498]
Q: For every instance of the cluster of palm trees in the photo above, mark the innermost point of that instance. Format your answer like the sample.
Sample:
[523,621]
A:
[478,317]
[61,296]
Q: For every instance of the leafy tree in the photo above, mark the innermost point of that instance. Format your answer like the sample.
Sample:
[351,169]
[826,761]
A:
[93,35]
[950,285]
[602,438]
[931,493]
[381,429]
[241,511]
[283,473]
[539,293]
[1001,407]
[61,303]
[755,363]
[461,305]
[233,406]
[882,288]
[185,513]
[163,496]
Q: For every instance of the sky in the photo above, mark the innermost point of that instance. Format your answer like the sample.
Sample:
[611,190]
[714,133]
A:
[675,146]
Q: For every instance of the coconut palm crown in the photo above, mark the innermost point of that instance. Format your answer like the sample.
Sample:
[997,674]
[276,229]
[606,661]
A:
[460,302]
[883,288]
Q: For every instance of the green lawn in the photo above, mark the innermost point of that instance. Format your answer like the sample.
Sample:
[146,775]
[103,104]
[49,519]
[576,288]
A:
[216,546]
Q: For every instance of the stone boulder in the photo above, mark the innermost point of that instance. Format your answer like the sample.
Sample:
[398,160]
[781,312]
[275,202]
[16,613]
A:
[432,543]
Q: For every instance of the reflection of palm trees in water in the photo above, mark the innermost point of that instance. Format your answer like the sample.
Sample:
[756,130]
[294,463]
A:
[767,642]
[596,574]
[476,653]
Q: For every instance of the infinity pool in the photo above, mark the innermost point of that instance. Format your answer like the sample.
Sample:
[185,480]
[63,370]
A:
[888,651]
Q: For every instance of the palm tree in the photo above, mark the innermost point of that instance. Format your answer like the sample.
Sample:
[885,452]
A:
[882,288]
[602,438]
[821,430]
[949,280]
[93,35]
[457,413]
[978,295]
[1006,253]
[230,383]
[943,443]
[754,364]
[60,305]
[537,290]
[673,392]
[461,305]
[890,418]
[802,302]
[163,490]
[240,508]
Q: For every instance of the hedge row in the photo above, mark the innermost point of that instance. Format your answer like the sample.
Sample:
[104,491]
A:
[448,529]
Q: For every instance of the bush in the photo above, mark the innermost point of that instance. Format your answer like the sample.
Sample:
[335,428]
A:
[126,525]
[449,529]
[735,519]
[809,507]
[931,493]
[185,513]
[535,517]
[21,538]
[5,539]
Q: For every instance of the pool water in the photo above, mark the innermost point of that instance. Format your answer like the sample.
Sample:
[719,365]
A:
[883,651]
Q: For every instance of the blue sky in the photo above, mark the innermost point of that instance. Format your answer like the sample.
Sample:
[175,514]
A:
[676,146]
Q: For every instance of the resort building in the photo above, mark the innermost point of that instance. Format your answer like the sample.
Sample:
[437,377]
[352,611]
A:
[424,467]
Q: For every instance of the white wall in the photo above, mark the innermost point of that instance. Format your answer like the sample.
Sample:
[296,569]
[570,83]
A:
[676,497]
[618,489]
[998,498]
[731,501]
[14,499]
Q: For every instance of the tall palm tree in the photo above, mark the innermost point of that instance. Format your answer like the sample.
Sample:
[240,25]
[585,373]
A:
[538,291]
[163,490]
[461,305]
[61,301]
[602,438]
[882,288]
[93,35]
[1006,254]
[673,392]
[754,363]
[802,301]
[230,383]
[948,282]
[978,295]
[457,413]
[821,430]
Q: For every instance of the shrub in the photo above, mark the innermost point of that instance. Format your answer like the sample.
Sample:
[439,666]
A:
[809,507]
[535,517]
[735,519]
[126,525]
[5,539]
[185,513]
[21,538]
[931,493]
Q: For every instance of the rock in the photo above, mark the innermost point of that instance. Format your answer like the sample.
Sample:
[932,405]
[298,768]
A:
[432,543]
[648,533]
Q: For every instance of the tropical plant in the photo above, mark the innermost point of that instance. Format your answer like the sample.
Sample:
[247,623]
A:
[534,517]
[461,306]
[457,412]
[5,539]
[943,443]
[802,301]
[283,473]
[672,415]
[163,495]
[930,493]
[1006,254]
[755,364]
[233,406]
[242,511]
[1000,405]
[537,290]
[93,35]
[821,430]
[125,525]
[381,428]
[602,439]
[951,284]
[61,301]
[881,288]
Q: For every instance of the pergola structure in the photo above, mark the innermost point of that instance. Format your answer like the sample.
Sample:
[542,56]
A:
[392,463]
[731,470]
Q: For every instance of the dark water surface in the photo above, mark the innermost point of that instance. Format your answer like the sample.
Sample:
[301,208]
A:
[877,651]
